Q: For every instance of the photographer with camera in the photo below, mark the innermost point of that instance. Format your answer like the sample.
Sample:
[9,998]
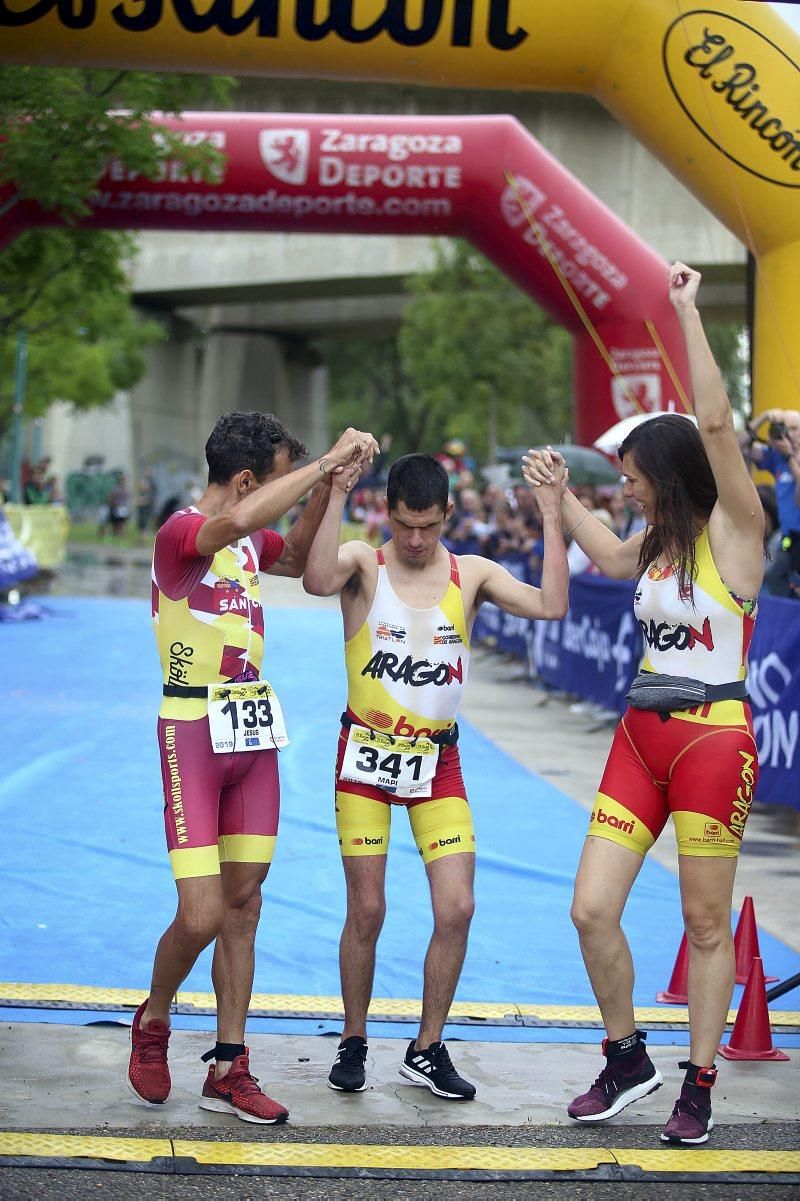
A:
[772,442]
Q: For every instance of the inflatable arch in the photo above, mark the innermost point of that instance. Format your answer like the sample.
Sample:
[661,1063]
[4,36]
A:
[433,175]
[713,91]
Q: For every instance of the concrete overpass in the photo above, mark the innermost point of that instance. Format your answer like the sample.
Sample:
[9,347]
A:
[239,310]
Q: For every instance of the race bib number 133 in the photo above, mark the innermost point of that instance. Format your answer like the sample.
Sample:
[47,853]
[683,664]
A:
[245,717]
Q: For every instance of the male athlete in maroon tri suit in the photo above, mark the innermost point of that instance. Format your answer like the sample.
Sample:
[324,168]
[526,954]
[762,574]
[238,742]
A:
[219,730]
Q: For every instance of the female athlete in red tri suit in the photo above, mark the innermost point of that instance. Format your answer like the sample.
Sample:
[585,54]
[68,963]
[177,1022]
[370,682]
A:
[699,564]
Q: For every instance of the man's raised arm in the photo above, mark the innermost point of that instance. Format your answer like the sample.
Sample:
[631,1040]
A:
[270,502]
[329,566]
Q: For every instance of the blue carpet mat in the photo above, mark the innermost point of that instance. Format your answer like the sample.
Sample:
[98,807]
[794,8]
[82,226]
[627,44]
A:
[87,889]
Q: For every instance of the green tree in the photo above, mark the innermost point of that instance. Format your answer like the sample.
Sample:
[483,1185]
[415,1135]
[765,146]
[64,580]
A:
[730,346]
[85,340]
[474,358]
[68,288]
[484,361]
[60,126]
[368,387]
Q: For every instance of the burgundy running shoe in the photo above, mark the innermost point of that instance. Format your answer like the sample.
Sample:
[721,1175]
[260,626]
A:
[148,1072]
[238,1092]
[691,1118]
[614,1089]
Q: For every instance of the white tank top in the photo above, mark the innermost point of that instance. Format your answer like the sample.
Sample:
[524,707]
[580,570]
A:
[406,667]
[706,641]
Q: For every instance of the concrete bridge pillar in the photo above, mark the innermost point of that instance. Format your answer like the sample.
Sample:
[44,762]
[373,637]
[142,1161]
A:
[247,367]
[163,404]
[207,366]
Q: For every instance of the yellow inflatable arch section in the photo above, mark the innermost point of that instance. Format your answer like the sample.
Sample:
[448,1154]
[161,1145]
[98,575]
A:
[714,92]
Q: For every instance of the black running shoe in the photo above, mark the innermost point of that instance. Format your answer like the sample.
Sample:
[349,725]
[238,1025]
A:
[348,1074]
[434,1069]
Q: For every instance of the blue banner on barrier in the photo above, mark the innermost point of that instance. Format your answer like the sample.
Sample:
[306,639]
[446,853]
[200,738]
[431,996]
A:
[595,650]
[774,684]
[594,653]
[509,633]
[17,563]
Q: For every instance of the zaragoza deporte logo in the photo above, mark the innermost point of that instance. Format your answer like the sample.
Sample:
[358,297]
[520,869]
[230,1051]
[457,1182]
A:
[285,152]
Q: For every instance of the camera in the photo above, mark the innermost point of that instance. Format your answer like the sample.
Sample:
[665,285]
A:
[777,430]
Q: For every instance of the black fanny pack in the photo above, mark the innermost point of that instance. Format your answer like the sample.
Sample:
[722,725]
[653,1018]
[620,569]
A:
[442,738]
[663,694]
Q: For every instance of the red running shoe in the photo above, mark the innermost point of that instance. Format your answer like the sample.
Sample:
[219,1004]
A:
[238,1092]
[148,1072]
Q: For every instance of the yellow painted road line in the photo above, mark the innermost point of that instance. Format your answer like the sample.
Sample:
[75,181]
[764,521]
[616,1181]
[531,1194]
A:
[379,1157]
[279,1004]
[80,1146]
[72,994]
[383,1157]
[697,1159]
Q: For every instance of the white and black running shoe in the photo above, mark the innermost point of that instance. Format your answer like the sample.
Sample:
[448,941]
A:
[348,1074]
[435,1070]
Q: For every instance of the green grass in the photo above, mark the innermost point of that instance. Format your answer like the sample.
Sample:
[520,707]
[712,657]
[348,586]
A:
[86,533]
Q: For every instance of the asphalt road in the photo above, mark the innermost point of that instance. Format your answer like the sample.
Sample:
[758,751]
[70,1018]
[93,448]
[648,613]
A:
[75,1184]
[18,1184]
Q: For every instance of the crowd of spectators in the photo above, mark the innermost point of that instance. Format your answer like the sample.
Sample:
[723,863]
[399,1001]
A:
[498,518]
[501,519]
[39,484]
[771,442]
[115,511]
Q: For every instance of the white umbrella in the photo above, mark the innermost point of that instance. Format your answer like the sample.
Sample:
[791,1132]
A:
[612,439]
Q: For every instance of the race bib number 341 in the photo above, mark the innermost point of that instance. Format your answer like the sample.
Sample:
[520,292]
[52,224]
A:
[245,717]
[404,766]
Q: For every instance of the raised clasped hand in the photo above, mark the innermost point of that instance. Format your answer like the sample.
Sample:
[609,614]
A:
[354,446]
[344,479]
[683,285]
[546,471]
[544,466]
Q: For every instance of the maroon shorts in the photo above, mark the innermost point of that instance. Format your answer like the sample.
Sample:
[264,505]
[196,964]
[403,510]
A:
[217,808]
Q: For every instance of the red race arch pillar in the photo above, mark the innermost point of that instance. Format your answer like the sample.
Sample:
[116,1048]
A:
[448,176]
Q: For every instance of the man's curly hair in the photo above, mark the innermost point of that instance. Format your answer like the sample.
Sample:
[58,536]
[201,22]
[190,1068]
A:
[248,440]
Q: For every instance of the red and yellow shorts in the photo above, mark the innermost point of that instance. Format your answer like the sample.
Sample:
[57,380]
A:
[441,823]
[217,808]
[693,766]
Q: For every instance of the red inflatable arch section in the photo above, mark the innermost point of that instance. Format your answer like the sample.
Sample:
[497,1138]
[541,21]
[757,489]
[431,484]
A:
[410,175]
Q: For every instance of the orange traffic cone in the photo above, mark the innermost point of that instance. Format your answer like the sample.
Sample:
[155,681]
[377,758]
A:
[677,989]
[745,943]
[751,1037]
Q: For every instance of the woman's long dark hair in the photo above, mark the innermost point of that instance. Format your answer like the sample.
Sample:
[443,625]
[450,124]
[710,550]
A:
[669,451]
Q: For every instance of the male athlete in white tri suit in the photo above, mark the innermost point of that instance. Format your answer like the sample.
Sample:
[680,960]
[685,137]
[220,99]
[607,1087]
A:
[408,611]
